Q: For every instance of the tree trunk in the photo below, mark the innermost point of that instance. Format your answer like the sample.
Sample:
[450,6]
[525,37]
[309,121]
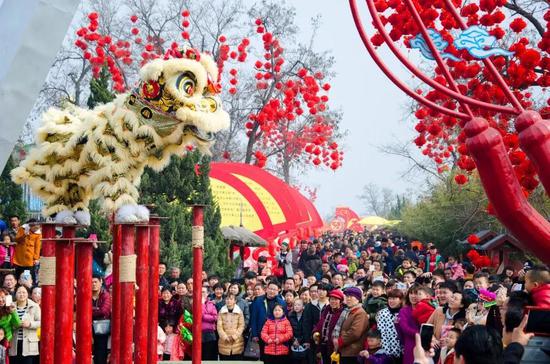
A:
[286,170]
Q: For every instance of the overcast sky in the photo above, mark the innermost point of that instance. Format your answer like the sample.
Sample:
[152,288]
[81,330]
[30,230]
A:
[373,110]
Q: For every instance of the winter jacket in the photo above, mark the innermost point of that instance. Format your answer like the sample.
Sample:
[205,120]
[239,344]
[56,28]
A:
[10,323]
[297,326]
[209,317]
[376,356]
[447,357]
[373,305]
[541,295]
[400,271]
[259,314]
[6,251]
[30,337]
[433,262]
[310,264]
[285,262]
[513,354]
[276,329]
[27,250]
[312,313]
[169,311]
[407,327]
[101,308]
[353,332]
[244,305]
[458,271]
[161,339]
[423,311]
[4,358]
[326,324]
[385,323]
[230,331]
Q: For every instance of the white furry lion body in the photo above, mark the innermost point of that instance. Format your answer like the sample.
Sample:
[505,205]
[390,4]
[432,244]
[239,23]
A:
[101,153]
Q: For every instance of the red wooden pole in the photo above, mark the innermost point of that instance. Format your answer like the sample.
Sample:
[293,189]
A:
[47,264]
[84,256]
[198,245]
[141,334]
[64,298]
[115,311]
[152,324]
[127,279]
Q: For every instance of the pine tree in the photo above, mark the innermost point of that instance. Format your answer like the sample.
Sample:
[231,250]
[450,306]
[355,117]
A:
[11,194]
[182,183]
[100,92]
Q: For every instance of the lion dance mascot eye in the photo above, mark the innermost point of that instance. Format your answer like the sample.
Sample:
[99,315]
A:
[101,153]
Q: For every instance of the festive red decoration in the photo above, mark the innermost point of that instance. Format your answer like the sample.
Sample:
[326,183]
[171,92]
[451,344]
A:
[473,239]
[476,103]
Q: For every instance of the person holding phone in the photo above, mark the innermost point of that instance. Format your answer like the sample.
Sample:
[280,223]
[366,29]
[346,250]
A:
[24,344]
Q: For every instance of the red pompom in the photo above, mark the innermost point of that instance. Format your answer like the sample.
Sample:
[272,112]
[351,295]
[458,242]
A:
[473,239]
[185,35]
[135,31]
[134,18]
[258,21]
[461,179]
[185,13]
[518,24]
[222,39]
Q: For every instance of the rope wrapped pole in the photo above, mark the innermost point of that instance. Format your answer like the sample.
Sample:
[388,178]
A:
[47,282]
[197,241]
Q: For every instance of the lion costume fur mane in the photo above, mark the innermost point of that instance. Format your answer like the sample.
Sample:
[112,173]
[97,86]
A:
[83,154]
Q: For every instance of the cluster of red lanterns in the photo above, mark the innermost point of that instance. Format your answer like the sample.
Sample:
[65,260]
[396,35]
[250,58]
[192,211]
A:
[100,50]
[300,96]
[294,99]
[440,137]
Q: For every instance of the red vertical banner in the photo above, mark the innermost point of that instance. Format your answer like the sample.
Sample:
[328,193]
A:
[47,282]
[84,257]
[197,241]
[141,333]
[64,299]
[154,254]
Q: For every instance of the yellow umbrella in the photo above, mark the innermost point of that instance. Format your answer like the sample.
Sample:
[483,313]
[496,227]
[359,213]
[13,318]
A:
[373,220]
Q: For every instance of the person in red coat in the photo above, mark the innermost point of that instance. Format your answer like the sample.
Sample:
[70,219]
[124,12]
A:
[424,308]
[276,334]
[537,283]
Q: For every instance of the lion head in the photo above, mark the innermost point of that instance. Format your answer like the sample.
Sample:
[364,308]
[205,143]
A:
[185,89]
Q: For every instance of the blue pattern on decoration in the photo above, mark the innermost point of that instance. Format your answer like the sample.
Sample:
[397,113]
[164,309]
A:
[479,43]
[419,43]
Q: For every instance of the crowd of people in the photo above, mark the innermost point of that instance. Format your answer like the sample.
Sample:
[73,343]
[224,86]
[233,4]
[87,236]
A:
[341,298]
[359,298]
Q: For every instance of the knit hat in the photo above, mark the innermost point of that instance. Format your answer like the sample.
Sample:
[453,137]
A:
[355,292]
[336,293]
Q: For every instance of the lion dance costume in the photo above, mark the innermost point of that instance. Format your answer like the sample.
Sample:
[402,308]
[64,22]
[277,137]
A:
[101,153]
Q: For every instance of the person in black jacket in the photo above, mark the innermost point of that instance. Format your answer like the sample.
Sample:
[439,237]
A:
[298,344]
[312,314]
[310,262]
